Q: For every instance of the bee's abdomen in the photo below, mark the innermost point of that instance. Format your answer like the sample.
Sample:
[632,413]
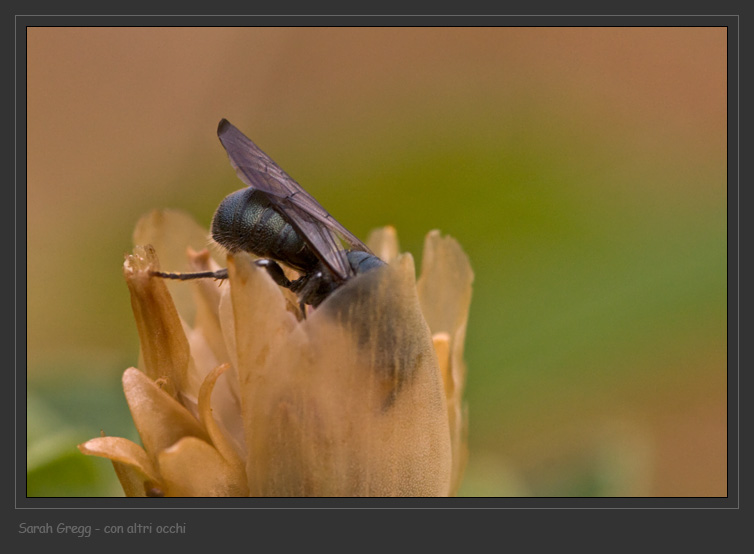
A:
[247,221]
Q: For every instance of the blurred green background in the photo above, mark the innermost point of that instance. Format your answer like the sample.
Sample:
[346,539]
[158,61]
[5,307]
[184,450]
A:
[582,169]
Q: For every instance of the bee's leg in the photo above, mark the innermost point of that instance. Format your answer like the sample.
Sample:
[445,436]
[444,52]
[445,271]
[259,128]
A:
[219,274]
[276,272]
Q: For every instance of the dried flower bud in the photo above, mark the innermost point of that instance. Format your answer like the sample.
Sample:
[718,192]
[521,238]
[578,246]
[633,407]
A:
[241,395]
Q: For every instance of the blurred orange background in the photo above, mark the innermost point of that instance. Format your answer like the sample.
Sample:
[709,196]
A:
[582,169]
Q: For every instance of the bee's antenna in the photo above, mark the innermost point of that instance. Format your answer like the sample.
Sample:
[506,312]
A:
[219,274]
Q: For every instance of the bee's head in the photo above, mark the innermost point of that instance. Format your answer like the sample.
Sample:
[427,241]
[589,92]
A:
[231,224]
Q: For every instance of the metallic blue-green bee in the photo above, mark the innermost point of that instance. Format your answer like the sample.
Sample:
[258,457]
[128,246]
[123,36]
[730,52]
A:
[278,221]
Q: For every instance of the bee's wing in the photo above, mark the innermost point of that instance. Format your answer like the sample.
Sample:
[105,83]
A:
[317,226]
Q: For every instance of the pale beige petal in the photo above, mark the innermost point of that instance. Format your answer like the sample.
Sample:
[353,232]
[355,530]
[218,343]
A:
[445,294]
[160,419]
[228,449]
[171,232]
[441,342]
[460,439]
[457,417]
[228,325]
[444,286]
[135,484]
[353,404]
[207,294]
[208,347]
[384,243]
[133,467]
[192,467]
[261,321]
[164,348]
[255,323]
[203,360]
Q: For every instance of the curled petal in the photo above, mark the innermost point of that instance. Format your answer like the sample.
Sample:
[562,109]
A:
[191,467]
[133,467]
[220,439]
[160,419]
[164,348]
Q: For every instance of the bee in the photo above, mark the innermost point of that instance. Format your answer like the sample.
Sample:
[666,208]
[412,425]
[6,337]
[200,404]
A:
[275,219]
